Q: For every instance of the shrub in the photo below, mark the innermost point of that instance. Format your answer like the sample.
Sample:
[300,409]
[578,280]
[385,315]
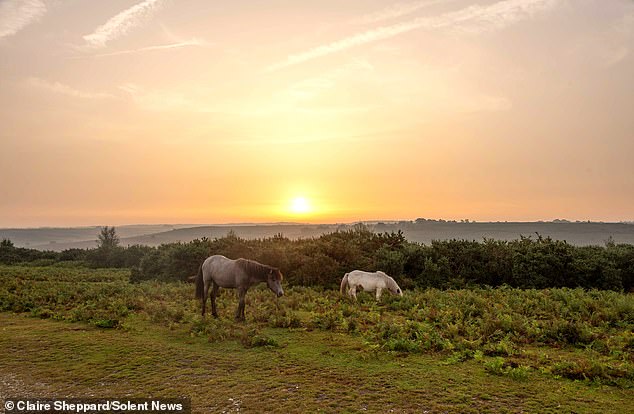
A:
[527,263]
[253,338]
[499,366]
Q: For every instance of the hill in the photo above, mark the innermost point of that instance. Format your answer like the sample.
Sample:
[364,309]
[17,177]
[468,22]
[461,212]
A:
[422,231]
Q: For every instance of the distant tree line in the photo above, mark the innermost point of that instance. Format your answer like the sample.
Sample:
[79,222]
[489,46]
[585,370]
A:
[528,262]
[108,253]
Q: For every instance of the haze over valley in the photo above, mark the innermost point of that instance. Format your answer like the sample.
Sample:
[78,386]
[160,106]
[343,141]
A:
[422,231]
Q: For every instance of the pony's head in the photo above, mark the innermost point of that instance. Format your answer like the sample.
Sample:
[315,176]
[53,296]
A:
[393,287]
[274,281]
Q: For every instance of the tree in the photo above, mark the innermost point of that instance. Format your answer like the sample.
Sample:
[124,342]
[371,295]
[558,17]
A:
[8,253]
[108,253]
[108,238]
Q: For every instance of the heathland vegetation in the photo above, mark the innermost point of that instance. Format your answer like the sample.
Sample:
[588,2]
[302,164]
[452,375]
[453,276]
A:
[511,331]
[528,311]
[528,262]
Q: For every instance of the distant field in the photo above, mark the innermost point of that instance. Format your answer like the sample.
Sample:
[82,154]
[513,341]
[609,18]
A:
[462,351]
[582,234]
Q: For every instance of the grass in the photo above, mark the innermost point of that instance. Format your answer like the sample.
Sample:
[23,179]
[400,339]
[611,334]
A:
[310,371]
[484,350]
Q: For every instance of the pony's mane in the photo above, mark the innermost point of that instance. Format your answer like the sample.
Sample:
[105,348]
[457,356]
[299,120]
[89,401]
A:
[385,275]
[256,269]
[389,279]
[391,282]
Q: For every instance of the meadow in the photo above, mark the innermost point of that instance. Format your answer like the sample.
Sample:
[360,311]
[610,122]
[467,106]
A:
[457,350]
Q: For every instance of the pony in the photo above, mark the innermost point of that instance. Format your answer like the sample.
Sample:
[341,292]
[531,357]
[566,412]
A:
[369,282]
[217,272]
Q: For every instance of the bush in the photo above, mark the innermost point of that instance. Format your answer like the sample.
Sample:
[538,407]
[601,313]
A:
[253,338]
[499,366]
[527,263]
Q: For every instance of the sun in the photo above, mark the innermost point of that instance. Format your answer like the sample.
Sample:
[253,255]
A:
[300,205]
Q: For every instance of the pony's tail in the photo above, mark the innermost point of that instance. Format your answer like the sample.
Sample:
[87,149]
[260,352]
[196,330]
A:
[344,284]
[200,285]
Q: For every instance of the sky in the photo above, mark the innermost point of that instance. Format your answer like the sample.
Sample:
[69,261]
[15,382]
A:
[163,111]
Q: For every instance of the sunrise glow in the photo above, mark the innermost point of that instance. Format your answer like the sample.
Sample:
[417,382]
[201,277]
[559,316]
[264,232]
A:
[300,206]
[160,111]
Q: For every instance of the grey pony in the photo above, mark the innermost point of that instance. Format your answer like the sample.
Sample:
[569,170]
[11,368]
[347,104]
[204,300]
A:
[217,272]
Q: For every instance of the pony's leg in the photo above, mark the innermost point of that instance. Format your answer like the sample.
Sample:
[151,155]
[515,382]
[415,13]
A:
[240,311]
[214,293]
[378,294]
[204,298]
[353,292]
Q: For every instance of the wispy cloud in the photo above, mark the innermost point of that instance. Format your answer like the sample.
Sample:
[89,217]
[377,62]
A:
[475,18]
[606,47]
[610,57]
[63,89]
[398,10]
[186,43]
[163,100]
[122,23]
[626,24]
[625,28]
[17,14]
[615,44]
[302,92]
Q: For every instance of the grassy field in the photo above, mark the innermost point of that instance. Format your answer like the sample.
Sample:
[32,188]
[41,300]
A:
[486,350]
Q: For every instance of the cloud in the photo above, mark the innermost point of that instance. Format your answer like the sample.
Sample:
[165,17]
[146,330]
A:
[60,88]
[625,26]
[162,100]
[610,45]
[17,14]
[122,23]
[624,32]
[177,45]
[610,57]
[483,103]
[302,92]
[476,19]
[497,16]
[398,10]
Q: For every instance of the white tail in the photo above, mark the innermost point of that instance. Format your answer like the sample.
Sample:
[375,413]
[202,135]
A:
[344,284]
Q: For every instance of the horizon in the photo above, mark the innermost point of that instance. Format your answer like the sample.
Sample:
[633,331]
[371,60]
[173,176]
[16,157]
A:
[347,223]
[152,111]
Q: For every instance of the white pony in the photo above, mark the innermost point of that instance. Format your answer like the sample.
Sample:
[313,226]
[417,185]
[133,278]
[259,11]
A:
[369,282]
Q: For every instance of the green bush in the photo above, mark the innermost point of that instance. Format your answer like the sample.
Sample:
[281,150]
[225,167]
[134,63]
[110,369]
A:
[527,263]
[253,338]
